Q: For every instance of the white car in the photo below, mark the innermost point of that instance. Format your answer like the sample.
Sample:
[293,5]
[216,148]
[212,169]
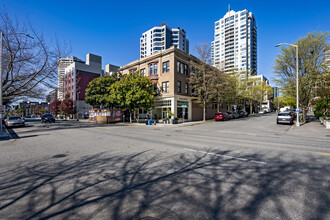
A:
[15,121]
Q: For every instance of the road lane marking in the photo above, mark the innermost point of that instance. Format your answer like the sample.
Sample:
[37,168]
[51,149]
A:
[103,127]
[324,154]
[221,155]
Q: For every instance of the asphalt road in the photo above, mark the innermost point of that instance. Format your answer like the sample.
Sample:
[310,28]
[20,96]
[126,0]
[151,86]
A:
[248,168]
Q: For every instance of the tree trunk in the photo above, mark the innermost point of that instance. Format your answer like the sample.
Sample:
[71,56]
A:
[204,110]
[130,116]
[251,106]
[304,115]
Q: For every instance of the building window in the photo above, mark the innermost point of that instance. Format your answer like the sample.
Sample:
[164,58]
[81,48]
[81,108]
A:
[150,69]
[186,88]
[153,68]
[166,86]
[182,68]
[179,86]
[156,88]
[143,72]
[166,67]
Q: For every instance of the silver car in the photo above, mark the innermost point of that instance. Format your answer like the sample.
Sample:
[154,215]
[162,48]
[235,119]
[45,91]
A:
[15,121]
[284,117]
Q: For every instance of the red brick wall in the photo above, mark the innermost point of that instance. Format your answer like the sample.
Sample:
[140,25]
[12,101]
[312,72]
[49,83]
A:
[83,80]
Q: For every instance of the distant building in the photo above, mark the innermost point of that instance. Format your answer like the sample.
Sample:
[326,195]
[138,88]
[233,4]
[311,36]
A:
[235,42]
[30,108]
[327,58]
[275,92]
[52,96]
[110,69]
[61,65]
[77,77]
[161,38]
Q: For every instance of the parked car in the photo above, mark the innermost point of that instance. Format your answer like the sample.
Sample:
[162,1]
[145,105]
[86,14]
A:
[236,115]
[223,116]
[13,121]
[47,118]
[284,117]
[231,115]
[242,113]
[262,111]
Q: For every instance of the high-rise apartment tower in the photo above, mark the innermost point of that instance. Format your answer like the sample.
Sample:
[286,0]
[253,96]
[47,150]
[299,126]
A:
[161,38]
[235,43]
[62,63]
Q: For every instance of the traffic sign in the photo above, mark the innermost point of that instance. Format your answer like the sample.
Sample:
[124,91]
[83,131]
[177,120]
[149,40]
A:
[184,106]
[297,110]
[184,113]
[2,109]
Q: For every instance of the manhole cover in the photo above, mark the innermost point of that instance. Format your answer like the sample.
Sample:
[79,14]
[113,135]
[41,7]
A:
[178,130]
[60,155]
[327,135]
[168,135]
[148,218]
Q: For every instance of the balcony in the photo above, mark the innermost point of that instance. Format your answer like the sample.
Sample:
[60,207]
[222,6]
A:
[153,77]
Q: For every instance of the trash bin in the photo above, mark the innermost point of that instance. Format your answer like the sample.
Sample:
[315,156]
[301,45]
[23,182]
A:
[149,121]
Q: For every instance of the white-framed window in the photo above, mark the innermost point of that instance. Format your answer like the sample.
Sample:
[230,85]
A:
[166,86]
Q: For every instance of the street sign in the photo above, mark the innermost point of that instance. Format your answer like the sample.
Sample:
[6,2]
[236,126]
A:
[235,106]
[184,113]
[2,109]
[297,110]
[184,106]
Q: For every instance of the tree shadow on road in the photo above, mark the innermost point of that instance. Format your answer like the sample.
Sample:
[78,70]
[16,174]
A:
[182,186]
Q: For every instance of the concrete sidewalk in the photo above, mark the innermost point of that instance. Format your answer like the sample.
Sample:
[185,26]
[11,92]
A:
[312,128]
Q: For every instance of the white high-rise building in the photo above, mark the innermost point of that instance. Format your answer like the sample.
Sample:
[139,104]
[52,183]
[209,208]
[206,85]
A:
[235,43]
[61,65]
[161,38]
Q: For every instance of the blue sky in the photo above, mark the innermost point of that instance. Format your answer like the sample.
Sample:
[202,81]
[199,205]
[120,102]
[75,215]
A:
[112,29]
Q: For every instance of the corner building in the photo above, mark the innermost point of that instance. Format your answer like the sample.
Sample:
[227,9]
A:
[235,43]
[170,70]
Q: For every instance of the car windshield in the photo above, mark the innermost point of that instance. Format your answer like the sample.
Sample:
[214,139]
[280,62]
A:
[284,114]
[14,117]
[218,113]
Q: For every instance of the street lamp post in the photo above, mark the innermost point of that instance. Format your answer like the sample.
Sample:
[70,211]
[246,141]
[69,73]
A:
[1,38]
[297,79]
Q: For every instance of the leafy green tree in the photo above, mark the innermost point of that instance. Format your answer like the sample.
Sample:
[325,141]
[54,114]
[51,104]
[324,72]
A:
[322,92]
[222,88]
[263,91]
[311,65]
[42,110]
[97,91]
[132,91]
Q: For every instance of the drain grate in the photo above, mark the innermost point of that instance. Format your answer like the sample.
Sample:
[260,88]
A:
[148,218]
[60,155]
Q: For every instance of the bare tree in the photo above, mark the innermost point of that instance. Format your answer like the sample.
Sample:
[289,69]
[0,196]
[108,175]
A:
[29,65]
[204,78]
